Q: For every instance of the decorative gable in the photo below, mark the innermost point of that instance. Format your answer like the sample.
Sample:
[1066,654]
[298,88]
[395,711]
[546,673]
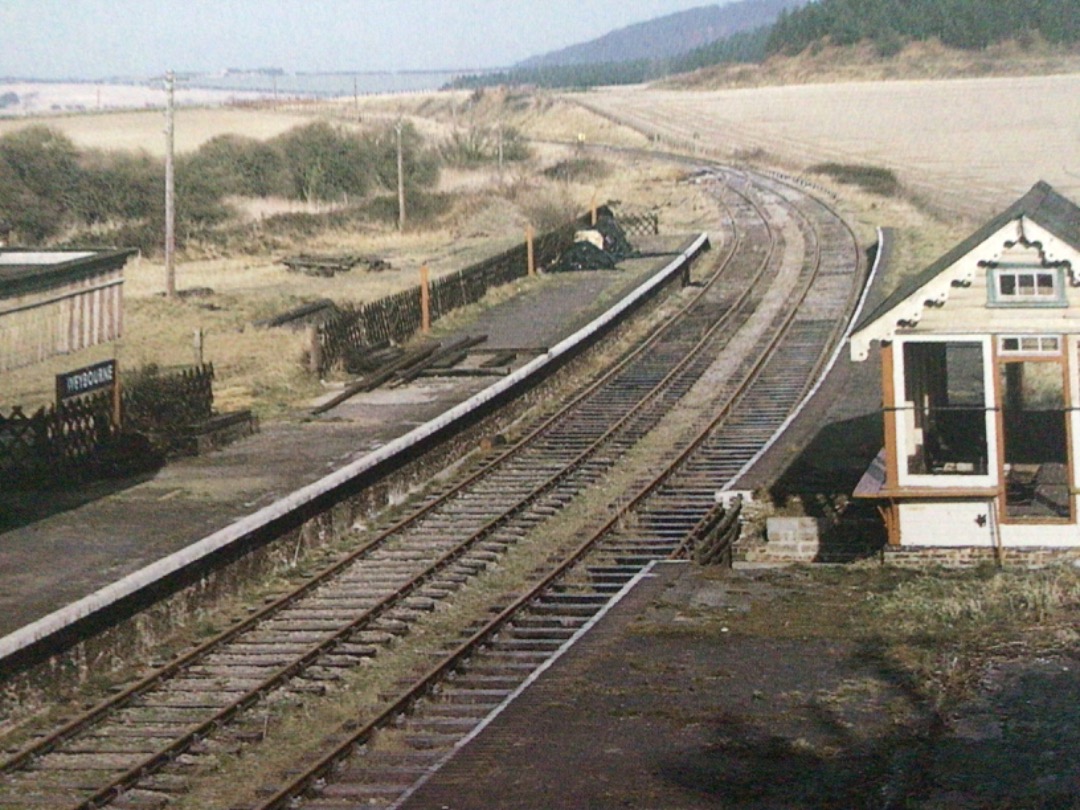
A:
[1024,262]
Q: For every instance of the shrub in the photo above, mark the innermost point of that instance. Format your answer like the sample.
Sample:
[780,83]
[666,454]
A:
[39,182]
[578,169]
[476,145]
[120,186]
[420,166]
[874,179]
[236,165]
[323,162]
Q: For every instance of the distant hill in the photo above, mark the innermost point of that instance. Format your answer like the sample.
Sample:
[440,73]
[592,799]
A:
[666,37]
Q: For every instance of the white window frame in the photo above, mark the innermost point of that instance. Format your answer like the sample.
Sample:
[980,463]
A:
[945,482]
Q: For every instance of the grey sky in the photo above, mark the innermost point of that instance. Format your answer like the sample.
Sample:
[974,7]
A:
[93,39]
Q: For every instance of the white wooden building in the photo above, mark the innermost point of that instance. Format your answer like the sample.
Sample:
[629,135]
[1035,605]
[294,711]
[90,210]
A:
[981,387]
[58,301]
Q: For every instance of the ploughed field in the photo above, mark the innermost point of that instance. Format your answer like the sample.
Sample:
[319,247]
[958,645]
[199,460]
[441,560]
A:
[965,145]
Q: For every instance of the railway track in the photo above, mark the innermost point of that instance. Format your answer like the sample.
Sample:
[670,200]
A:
[459,696]
[134,749]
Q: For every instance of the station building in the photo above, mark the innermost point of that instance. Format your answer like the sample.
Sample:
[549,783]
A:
[981,387]
[58,301]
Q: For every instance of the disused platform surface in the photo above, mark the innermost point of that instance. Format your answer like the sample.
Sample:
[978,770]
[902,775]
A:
[660,706]
[57,548]
[708,688]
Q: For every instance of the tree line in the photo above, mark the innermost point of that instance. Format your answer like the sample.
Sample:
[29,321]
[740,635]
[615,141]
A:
[956,23]
[50,189]
[889,24]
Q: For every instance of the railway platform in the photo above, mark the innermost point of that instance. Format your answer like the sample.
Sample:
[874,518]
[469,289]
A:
[58,548]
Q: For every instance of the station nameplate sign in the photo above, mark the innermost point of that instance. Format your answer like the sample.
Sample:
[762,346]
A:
[86,380]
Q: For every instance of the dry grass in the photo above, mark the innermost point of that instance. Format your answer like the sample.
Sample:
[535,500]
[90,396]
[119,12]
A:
[141,130]
[261,369]
[917,60]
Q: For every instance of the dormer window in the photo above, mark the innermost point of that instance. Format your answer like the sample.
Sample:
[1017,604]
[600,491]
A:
[1028,286]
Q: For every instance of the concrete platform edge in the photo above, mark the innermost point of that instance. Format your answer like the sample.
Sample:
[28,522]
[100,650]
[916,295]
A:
[56,623]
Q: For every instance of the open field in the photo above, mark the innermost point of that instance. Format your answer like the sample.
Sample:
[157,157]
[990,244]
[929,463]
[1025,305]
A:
[143,130]
[968,145]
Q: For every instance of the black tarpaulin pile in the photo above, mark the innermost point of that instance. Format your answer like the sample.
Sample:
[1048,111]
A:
[587,254]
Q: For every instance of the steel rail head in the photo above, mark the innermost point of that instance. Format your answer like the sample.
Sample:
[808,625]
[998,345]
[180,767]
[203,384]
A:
[322,768]
[177,746]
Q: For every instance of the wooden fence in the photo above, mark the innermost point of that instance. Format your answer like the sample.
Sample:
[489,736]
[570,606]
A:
[397,317]
[639,223]
[77,440]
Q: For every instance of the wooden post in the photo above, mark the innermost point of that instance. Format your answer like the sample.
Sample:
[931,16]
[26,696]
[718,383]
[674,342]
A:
[425,301]
[529,249]
[197,344]
[400,177]
[117,409]
[592,209]
[315,350]
[170,191]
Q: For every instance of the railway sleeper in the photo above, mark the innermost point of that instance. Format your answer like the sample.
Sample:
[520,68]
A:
[213,746]
[104,763]
[459,724]
[511,643]
[420,603]
[343,661]
[470,680]
[280,639]
[476,697]
[253,660]
[536,622]
[618,578]
[564,609]
[22,799]
[322,672]
[353,649]
[53,783]
[467,568]
[404,616]
[366,638]
[111,745]
[625,571]
[182,700]
[159,715]
[364,791]
[361,771]
[170,783]
[140,799]
[439,591]
[130,730]
[338,601]
[543,633]
[568,597]
[194,685]
[329,622]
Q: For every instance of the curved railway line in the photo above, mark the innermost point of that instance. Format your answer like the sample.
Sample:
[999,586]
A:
[714,382]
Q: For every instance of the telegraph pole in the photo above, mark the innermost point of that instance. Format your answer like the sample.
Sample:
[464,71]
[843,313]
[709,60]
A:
[400,178]
[170,191]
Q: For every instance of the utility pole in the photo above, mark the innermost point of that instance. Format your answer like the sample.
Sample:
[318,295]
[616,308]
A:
[170,191]
[500,137]
[400,178]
